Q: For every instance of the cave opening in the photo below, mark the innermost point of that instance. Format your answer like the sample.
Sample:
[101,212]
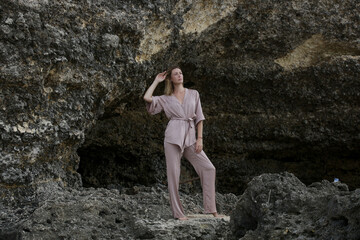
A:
[112,167]
[125,146]
[125,149]
[117,149]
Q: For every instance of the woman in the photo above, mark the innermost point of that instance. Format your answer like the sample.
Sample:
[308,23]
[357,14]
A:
[182,106]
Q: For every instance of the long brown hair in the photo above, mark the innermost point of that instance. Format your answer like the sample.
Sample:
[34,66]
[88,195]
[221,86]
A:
[169,86]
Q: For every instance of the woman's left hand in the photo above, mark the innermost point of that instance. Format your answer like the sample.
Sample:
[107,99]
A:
[199,145]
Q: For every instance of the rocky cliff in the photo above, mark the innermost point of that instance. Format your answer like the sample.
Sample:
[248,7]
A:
[278,80]
[279,85]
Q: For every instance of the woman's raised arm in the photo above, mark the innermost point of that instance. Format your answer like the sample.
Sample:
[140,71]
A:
[159,78]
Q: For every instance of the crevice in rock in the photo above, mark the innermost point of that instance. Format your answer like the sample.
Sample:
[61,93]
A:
[340,221]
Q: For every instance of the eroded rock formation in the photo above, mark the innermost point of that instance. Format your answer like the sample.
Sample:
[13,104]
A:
[279,85]
[279,206]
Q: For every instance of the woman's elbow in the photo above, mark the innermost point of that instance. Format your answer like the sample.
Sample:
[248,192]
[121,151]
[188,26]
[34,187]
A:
[149,100]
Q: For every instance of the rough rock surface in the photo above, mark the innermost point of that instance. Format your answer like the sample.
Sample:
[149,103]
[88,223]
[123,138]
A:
[289,69]
[133,213]
[279,206]
[279,83]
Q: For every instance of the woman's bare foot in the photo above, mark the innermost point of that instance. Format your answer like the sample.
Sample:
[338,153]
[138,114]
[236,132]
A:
[183,218]
[215,214]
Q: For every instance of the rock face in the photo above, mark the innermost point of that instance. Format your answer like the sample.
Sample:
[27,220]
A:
[279,206]
[135,213]
[279,84]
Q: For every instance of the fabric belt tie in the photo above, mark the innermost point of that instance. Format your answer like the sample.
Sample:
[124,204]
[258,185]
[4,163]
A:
[189,126]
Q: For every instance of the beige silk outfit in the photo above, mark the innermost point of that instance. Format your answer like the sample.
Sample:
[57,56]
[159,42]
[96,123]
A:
[180,141]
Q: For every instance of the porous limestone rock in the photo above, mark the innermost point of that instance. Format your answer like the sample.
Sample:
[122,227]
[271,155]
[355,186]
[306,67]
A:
[133,213]
[279,85]
[278,80]
[279,206]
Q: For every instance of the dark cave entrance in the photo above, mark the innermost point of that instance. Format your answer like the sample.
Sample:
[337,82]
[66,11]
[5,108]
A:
[117,152]
[112,167]
[125,148]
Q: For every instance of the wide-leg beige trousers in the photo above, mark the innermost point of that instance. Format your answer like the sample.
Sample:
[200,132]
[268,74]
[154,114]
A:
[204,168]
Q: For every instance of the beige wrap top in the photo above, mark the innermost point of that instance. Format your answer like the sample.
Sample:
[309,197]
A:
[183,117]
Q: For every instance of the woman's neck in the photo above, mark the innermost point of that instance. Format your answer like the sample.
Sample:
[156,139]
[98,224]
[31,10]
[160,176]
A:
[178,89]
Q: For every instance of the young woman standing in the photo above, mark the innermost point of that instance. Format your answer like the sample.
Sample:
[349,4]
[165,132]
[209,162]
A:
[183,108]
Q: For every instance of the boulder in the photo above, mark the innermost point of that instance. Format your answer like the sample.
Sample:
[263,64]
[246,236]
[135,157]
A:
[280,206]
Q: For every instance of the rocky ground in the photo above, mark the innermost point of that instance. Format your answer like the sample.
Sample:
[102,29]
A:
[274,206]
[133,213]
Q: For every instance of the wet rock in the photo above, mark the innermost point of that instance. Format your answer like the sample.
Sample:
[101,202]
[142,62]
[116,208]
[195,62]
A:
[279,206]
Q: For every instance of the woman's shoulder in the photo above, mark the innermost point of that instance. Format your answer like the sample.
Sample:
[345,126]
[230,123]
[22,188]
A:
[161,97]
[193,92]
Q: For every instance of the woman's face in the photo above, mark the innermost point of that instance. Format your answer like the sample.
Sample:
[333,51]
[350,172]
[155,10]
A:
[177,76]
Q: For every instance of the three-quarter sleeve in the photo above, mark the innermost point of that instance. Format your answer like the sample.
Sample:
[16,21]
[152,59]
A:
[156,106]
[198,109]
